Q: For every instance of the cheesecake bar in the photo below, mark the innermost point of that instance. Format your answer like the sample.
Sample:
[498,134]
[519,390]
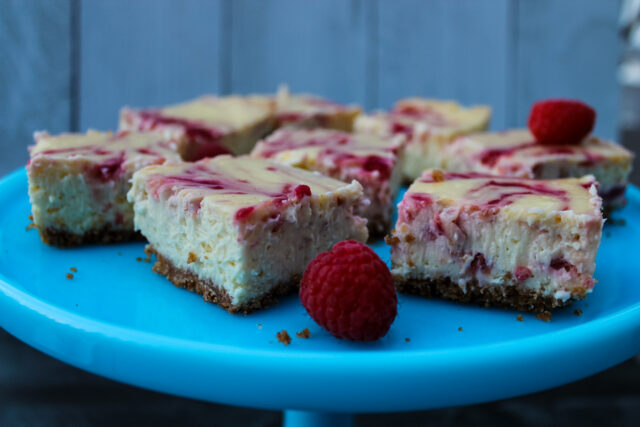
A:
[211,125]
[429,125]
[511,242]
[516,153]
[369,159]
[239,230]
[78,183]
[310,111]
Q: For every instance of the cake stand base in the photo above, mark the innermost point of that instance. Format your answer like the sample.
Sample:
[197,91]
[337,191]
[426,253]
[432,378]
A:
[316,419]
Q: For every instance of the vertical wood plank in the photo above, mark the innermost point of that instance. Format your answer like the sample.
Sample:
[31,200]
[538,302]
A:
[446,49]
[569,49]
[319,47]
[145,52]
[35,74]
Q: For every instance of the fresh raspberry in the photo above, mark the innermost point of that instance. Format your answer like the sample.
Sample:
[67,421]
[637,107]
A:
[561,121]
[349,291]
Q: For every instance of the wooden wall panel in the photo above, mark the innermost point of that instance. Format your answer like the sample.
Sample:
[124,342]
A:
[446,49]
[71,64]
[145,52]
[35,74]
[314,46]
[569,48]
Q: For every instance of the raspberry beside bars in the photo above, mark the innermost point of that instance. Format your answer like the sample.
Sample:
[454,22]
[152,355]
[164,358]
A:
[241,230]
[78,183]
[369,159]
[211,125]
[525,244]
[309,111]
[516,153]
[429,125]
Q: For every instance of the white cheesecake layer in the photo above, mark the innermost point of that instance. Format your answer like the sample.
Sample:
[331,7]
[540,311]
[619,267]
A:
[246,258]
[540,242]
[515,153]
[429,125]
[79,182]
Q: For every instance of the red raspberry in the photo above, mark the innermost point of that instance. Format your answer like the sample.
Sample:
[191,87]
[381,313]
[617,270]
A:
[561,121]
[349,291]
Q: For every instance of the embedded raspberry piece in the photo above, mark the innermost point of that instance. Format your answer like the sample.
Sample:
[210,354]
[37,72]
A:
[561,121]
[522,273]
[302,191]
[349,291]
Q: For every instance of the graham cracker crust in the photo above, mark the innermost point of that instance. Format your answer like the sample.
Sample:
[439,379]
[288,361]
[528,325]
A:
[66,239]
[213,293]
[507,296]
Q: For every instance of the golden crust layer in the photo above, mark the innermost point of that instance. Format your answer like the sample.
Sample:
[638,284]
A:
[213,293]
[509,295]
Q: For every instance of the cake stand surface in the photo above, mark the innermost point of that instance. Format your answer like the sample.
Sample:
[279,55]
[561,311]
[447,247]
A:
[118,319]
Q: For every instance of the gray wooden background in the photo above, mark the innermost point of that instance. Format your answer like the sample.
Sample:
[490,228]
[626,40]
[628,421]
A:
[71,64]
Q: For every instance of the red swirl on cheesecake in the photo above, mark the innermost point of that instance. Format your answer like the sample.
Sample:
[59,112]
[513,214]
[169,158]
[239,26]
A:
[371,160]
[526,244]
[515,153]
[243,229]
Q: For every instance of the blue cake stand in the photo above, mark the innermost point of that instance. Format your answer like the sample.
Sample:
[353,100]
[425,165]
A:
[118,319]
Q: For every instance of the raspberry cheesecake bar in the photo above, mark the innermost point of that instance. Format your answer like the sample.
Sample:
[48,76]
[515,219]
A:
[309,111]
[429,125]
[211,125]
[240,230]
[511,242]
[516,153]
[369,159]
[78,183]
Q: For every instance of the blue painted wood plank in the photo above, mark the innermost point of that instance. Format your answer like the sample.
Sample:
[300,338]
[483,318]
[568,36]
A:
[569,49]
[446,49]
[314,46]
[144,53]
[34,74]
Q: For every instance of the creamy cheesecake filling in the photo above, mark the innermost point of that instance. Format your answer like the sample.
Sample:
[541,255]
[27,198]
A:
[428,125]
[515,153]
[539,236]
[371,160]
[309,111]
[211,125]
[246,225]
[78,183]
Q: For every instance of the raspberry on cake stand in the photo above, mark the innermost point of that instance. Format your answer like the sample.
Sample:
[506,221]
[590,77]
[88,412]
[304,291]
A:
[118,319]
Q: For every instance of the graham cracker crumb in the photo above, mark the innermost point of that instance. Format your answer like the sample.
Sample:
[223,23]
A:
[148,258]
[507,296]
[577,312]
[259,325]
[30,217]
[69,276]
[407,339]
[75,270]
[192,258]
[139,259]
[303,333]
[283,337]
[409,238]
[30,227]
[391,240]
[520,317]
[270,342]
[437,175]
[545,316]
[460,329]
